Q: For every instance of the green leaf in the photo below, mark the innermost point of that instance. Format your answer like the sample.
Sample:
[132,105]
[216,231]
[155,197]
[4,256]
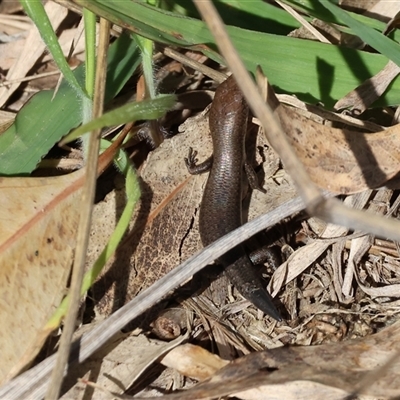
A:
[314,72]
[42,121]
[146,109]
[38,125]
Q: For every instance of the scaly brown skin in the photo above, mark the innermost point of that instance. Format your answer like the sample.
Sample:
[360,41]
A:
[221,206]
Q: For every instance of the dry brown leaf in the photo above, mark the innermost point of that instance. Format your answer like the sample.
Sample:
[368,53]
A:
[312,372]
[38,218]
[341,160]
[157,241]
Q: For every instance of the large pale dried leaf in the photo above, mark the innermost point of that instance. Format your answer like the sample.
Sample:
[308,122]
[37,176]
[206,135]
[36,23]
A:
[38,218]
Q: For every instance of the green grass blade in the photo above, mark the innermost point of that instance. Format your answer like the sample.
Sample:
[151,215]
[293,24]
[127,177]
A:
[146,48]
[90,50]
[314,72]
[255,15]
[146,109]
[375,39]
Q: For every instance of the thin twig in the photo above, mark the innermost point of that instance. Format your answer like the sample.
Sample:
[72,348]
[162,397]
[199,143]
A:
[204,69]
[84,222]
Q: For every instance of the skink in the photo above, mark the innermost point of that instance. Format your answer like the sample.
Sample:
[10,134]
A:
[221,206]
